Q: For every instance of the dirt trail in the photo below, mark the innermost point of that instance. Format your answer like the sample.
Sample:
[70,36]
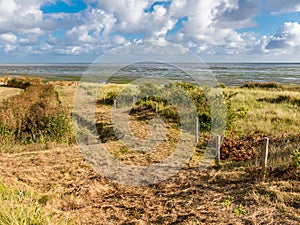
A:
[190,197]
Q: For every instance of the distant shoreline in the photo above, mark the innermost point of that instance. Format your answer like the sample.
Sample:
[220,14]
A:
[230,74]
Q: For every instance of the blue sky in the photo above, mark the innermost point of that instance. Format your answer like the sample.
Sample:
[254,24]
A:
[50,31]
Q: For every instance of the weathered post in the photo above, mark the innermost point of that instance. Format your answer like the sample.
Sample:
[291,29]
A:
[115,104]
[218,150]
[264,158]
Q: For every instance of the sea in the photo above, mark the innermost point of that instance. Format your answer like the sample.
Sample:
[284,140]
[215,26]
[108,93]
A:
[230,74]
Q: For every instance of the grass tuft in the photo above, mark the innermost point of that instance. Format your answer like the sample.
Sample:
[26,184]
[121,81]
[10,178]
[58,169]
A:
[20,207]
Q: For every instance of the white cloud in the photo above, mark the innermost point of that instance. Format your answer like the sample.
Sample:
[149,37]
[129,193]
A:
[118,40]
[128,13]
[7,8]
[20,16]
[9,48]
[237,14]
[93,26]
[74,50]
[208,27]
[211,25]
[287,38]
[10,38]
[283,6]
[159,12]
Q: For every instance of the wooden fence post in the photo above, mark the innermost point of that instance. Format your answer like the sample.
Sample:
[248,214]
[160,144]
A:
[218,150]
[115,104]
[264,159]
[197,129]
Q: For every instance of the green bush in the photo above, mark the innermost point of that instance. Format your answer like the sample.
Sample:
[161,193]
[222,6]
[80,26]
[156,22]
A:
[180,94]
[211,104]
[35,116]
[23,83]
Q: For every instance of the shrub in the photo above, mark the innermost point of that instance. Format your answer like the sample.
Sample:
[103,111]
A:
[282,99]
[222,86]
[110,97]
[296,159]
[23,83]
[172,96]
[180,94]
[35,116]
[262,85]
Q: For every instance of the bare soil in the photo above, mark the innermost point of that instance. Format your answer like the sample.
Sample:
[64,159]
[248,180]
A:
[6,92]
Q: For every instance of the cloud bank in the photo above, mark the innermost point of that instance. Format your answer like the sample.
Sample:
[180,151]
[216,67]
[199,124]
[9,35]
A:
[209,28]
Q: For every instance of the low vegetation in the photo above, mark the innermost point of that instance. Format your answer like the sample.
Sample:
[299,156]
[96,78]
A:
[20,207]
[265,109]
[272,85]
[67,187]
[23,83]
[34,116]
[169,97]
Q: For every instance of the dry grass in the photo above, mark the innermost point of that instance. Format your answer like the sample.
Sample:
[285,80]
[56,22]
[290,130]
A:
[79,195]
[6,93]
[34,116]
[264,117]
[76,194]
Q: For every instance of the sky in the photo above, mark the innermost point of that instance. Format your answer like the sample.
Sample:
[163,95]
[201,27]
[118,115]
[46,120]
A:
[79,31]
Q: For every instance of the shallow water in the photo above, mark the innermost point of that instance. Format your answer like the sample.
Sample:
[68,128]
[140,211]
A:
[229,74]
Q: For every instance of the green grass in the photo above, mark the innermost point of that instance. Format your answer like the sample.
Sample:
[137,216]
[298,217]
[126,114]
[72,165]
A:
[272,118]
[35,116]
[19,207]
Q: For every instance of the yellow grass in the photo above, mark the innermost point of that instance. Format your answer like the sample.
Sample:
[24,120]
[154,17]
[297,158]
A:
[267,118]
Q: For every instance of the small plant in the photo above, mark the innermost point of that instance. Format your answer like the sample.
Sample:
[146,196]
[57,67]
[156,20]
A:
[124,150]
[20,207]
[242,112]
[239,210]
[296,159]
[227,202]
[222,86]
[110,97]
